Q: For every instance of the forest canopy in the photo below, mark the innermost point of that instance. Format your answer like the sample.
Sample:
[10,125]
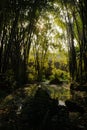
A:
[34,30]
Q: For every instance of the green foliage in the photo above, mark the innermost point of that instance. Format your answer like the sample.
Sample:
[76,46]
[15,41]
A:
[31,77]
[32,74]
[59,75]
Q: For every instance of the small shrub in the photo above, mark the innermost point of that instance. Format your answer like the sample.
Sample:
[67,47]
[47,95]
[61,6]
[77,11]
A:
[59,76]
[31,77]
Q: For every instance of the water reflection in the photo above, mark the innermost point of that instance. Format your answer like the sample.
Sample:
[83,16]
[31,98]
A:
[61,93]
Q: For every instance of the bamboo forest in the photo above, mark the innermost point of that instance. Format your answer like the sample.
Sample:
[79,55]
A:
[43,64]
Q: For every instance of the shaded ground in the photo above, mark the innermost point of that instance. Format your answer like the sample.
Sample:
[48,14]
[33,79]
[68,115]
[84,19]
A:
[30,109]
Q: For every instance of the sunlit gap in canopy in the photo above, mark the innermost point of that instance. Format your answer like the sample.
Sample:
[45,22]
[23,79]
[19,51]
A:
[47,26]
